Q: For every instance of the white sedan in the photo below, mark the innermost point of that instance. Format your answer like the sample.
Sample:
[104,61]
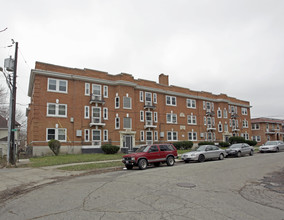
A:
[272,146]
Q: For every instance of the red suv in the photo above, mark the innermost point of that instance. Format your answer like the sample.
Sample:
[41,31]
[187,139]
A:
[151,154]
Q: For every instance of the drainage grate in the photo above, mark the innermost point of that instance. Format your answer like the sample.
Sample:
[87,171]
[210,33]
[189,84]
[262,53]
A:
[186,185]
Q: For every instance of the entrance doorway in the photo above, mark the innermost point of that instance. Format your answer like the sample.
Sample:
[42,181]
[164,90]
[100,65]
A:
[128,142]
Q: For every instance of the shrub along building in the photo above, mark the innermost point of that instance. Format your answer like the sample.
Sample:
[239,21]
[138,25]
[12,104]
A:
[85,109]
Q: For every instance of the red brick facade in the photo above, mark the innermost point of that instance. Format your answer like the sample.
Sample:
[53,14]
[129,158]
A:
[147,112]
[267,129]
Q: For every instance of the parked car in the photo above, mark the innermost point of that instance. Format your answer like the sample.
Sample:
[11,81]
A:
[272,146]
[151,154]
[203,153]
[239,150]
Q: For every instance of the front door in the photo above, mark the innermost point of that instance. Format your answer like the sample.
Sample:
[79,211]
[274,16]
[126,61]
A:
[127,142]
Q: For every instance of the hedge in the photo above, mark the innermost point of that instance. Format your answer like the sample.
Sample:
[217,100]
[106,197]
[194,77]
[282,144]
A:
[206,143]
[110,149]
[183,145]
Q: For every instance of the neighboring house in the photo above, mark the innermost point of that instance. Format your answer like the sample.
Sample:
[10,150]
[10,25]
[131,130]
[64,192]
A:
[267,129]
[86,108]
[4,135]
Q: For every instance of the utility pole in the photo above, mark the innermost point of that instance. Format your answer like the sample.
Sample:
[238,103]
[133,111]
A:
[13,113]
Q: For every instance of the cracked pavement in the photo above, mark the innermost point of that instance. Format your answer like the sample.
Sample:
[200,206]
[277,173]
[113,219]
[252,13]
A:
[235,188]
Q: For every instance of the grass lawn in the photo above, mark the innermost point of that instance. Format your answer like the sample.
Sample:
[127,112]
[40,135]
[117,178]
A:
[93,166]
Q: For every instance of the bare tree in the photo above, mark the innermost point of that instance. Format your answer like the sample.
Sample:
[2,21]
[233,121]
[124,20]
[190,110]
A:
[4,104]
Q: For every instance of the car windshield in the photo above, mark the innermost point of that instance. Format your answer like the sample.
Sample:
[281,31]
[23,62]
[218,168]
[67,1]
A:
[271,143]
[236,146]
[201,148]
[143,149]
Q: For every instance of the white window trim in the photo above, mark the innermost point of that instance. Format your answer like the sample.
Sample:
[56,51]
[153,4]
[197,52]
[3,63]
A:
[87,139]
[57,85]
[171,100]
[56,133]
[130,123]
[192,135]
[130,102]
[142,136]
[141,99]
[86,91]
[117,118]
[156,138]
[172,132]
[105,134]
[85,111]
[92,135]
[105,92]
[220,127]
[171,121]
[191,119]
[115,101]
[190,102]
[155,117]
[142,116]
[56,110]
[219,111]
[105,110]
[155,98]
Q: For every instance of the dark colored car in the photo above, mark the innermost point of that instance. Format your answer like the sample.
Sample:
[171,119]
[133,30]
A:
[240,149]
[151,154]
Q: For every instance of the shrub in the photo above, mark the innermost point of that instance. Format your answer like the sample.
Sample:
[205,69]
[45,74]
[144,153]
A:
[224,144]
[183,145]
[110,149]
[54,145]
[235,140]
[205,143]
[251,142]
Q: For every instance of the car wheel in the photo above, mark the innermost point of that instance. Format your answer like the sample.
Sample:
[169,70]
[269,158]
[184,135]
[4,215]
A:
[157,164]
[277,149]
[142,164]
[261,151]
[201,158]
[170,161]
[239,154]
[221,156]
[129,167]
[251,153]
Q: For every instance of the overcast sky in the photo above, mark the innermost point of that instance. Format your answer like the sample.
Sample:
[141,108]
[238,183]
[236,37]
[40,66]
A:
[234,47]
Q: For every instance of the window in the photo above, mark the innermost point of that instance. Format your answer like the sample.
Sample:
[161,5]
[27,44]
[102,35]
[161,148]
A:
[245,136]
[96,115]
[149,137]
[148,98]
[219,113]
[96,92]
[105,135]
[255,126]
[87,89]
[155,100]
[191,119]
[57,110]
[116,102]
[148,118]
[155,116]
[117,122]
[141,115]
[56,134]
[245,123]
[244,111]
[126,123]
[105,91]
[192,136]
[87,112]
[87,135]
[105,113]
[172,136]
[156,135]
[126,102]
[205,120]
[56,85]
[225,113]
[141,96]
[141,135]
[256,138]
[226,127]
[171,100]
[220,127]
[191,103]
[171,118]
[96,137]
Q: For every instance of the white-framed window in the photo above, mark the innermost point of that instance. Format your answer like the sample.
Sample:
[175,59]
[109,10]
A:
[220,127]
[191,103]
[191,120]
[148,98]
[204,105]
[245,136]
[226,127]
[105,135]
[172,136]
[141,96]
[117,122]
[126,102]
[56,134]
[225,113]
[205,120]
[244,111]
[148,117]
[141,135]
[96,92]
[255,126]
[156,135]
[96,115]
[127,123]
[105,91]
[105,113]
[256,138]
[219,113]
[141,115]
[87,89]
[155,98]
[149,137]
[56,110]
[117,102]
[87,112]
[171,118]
[171,100]
[192,136]
[57,85]
[96,137]
[245,123]
[87,135]
[156,117]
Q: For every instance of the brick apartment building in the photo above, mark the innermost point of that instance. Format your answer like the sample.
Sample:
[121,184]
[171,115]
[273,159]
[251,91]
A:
[86,108]
[267,129]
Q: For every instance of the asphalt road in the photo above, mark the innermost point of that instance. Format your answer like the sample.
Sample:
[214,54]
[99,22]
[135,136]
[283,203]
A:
[235,188]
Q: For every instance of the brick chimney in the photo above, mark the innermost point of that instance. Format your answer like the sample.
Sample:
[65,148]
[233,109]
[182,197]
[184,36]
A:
[164,79]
